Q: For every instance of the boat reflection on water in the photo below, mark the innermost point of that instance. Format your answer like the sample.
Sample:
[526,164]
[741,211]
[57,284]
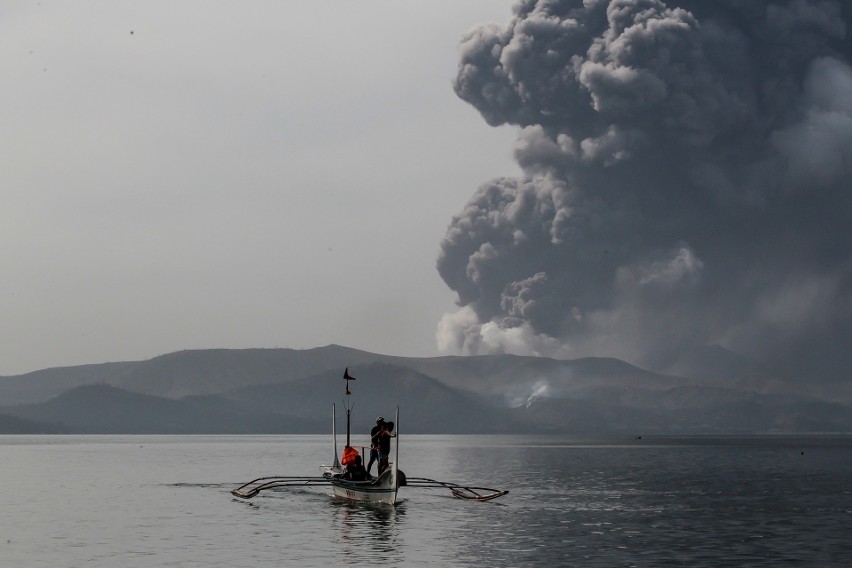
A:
[369,532]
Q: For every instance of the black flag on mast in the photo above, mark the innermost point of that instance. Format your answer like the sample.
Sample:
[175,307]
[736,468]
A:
[347,377]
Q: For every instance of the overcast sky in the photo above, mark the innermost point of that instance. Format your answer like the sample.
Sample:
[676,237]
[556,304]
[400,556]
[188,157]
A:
[567,178]
[180,175]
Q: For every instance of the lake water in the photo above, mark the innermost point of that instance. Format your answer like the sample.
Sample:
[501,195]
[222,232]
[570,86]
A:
[128,501]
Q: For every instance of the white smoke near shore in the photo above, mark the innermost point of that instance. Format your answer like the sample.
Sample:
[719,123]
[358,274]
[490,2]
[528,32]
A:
[540,389]
[687,181]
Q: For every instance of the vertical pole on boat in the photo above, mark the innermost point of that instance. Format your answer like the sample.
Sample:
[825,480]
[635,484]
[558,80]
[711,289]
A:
[334,433]
[348,413]
[395,467]
[347,377]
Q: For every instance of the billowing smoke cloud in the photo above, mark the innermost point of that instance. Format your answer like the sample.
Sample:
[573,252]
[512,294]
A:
[688,181]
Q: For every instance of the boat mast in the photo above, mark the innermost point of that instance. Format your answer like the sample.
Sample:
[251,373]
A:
[334,433]
[347,377]
[395,466]
[348,414]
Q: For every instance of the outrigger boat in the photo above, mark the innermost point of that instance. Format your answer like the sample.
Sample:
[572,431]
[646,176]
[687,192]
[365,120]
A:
[381,490]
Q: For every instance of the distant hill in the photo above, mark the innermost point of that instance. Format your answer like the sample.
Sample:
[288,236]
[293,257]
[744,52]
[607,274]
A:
[428,406]
[714,363]
[303,406]
[39,386]
[185,373]
[16,425]
[513,380]
[688,413]
[291,391]
[103,409]
[717,366]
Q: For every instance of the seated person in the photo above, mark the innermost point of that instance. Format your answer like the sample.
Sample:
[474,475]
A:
[349,454]
[355,471]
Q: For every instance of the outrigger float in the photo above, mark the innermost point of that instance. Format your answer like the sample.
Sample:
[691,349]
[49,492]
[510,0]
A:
[381,490]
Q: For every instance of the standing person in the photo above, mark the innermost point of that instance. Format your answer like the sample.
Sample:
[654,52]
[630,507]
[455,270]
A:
[385,436]
[374,442]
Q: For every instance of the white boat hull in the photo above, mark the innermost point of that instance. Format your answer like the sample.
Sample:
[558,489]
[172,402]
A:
[381,490]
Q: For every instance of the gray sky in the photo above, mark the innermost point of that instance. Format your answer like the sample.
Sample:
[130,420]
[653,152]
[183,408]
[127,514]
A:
[181,175]
[657,175]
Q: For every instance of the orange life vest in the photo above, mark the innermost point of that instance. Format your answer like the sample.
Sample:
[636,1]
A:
[349,454]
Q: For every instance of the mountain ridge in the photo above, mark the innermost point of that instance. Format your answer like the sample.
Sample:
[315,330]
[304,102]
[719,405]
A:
[289,390]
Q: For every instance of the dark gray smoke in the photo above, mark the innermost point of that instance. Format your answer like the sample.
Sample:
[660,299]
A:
[688,181]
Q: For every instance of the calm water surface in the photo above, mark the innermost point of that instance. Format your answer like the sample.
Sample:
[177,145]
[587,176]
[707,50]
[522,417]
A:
[109,501]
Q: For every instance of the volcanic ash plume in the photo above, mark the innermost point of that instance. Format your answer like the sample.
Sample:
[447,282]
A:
[687,182]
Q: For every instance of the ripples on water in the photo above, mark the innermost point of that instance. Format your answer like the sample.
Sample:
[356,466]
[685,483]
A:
[103,501]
